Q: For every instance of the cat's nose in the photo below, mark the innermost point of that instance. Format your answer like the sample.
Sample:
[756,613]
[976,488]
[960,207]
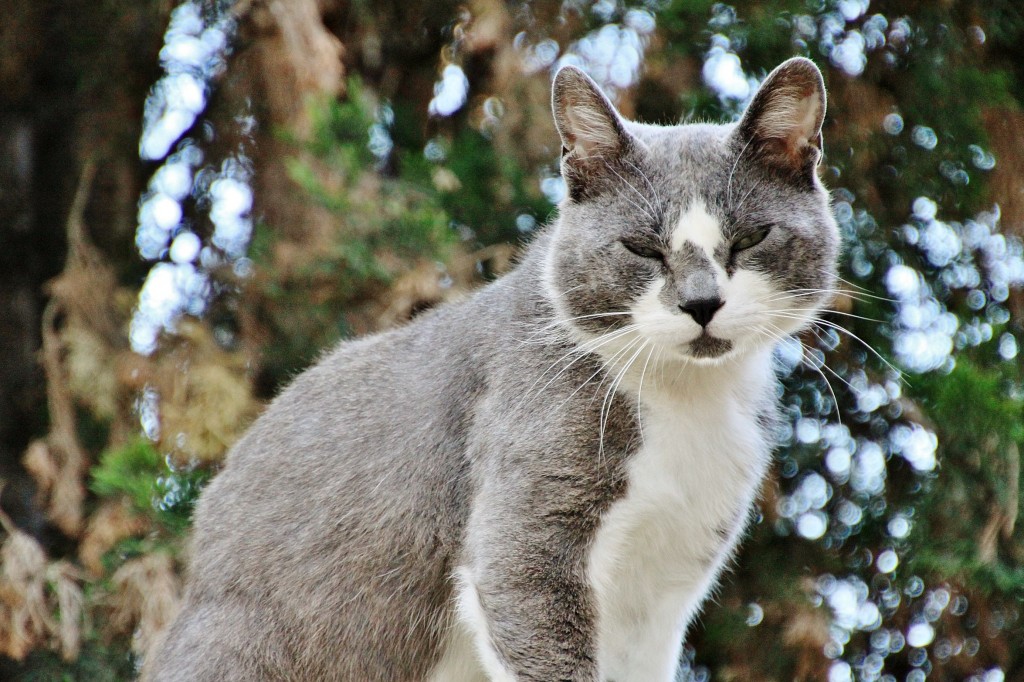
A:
[702,309]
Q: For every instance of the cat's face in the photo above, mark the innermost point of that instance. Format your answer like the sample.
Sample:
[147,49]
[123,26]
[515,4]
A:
[697,241]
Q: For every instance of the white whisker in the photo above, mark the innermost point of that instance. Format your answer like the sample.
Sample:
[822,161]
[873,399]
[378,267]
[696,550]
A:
[654,190]
[803,358]
[653,213]
[745,196]
[732,171]
[581,351]
[798,293]
[844,330]
[609,398]
[835,312]
[640,389]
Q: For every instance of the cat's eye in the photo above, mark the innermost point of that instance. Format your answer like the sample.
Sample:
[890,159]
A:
[643,250]
[752,239]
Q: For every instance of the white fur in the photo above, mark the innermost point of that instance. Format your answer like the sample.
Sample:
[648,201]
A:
[658,550]
[469,655]
[459,662]
[698,226]
[747,318]
[660,324]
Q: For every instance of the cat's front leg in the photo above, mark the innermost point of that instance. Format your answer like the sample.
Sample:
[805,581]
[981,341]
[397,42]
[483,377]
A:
[528,628]
[522,591]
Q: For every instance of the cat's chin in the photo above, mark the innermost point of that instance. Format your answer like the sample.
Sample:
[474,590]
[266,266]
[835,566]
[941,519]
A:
[708,350]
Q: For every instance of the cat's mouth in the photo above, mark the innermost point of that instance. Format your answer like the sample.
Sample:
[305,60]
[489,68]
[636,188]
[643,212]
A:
[707,347]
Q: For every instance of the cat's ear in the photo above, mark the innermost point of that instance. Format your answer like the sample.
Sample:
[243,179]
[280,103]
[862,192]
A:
[783,121]
[587,122]
[593,134]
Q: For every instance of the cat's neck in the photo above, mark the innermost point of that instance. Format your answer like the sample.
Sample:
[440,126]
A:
[646,370]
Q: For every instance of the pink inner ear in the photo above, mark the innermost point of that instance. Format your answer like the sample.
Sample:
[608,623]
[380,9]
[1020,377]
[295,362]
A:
[593,132]
[792,120]
[791,116]
[805,127]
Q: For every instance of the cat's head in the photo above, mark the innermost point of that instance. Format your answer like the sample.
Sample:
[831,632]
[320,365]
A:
[706,241]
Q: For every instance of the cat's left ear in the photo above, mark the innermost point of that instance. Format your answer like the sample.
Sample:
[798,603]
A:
[783,121]
[593,135]
[587,122]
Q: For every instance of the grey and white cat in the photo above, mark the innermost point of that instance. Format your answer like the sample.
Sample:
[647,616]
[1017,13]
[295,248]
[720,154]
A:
[541,482]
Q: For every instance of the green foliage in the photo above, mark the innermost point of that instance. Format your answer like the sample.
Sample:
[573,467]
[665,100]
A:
[394,214]
[97,662]
[971,400]
[491,190]
[130,471]
[383,222]
[156,491]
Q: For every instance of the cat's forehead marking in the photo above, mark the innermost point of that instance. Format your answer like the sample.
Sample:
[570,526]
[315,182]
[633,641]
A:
[699,227]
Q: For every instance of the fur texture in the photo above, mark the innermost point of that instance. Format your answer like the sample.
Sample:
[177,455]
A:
[541,482]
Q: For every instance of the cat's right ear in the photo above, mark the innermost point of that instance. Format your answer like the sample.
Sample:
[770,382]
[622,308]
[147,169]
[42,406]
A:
[782,125]
[592,132]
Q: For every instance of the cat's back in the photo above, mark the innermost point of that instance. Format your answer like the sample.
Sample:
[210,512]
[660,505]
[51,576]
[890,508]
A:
[374,429]
[340,512]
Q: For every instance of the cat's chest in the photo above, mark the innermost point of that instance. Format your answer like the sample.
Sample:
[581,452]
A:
[658,547]
[696,466]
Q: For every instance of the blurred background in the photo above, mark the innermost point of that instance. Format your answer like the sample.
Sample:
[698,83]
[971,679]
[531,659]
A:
[196,199]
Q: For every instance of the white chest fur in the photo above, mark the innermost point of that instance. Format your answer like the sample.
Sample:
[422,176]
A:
[659,549]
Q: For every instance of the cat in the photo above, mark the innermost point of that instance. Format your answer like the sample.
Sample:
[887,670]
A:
[543,481]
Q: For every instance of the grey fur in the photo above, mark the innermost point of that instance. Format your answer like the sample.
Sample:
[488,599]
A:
[325,549]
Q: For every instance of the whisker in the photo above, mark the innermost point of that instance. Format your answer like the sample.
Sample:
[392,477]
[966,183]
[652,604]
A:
[798,293]
[844,330]
[747,195]
[604,365]
[635,205]
[640,389]
[580,351]
[603,369]
[562,321]
[841,378]
[836,312]
[848,283]
[654,190]
[653,215]
[732,171]
[609,397]
[777,334]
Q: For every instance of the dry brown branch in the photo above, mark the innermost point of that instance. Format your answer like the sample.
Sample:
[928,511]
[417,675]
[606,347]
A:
[988,545]
[1013,490]
[41,465]
[82,338]
[64,579]
[146,598]
[807,633]
[301,57]
[68,492]
[204,410]
[24,616]
[110,524]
